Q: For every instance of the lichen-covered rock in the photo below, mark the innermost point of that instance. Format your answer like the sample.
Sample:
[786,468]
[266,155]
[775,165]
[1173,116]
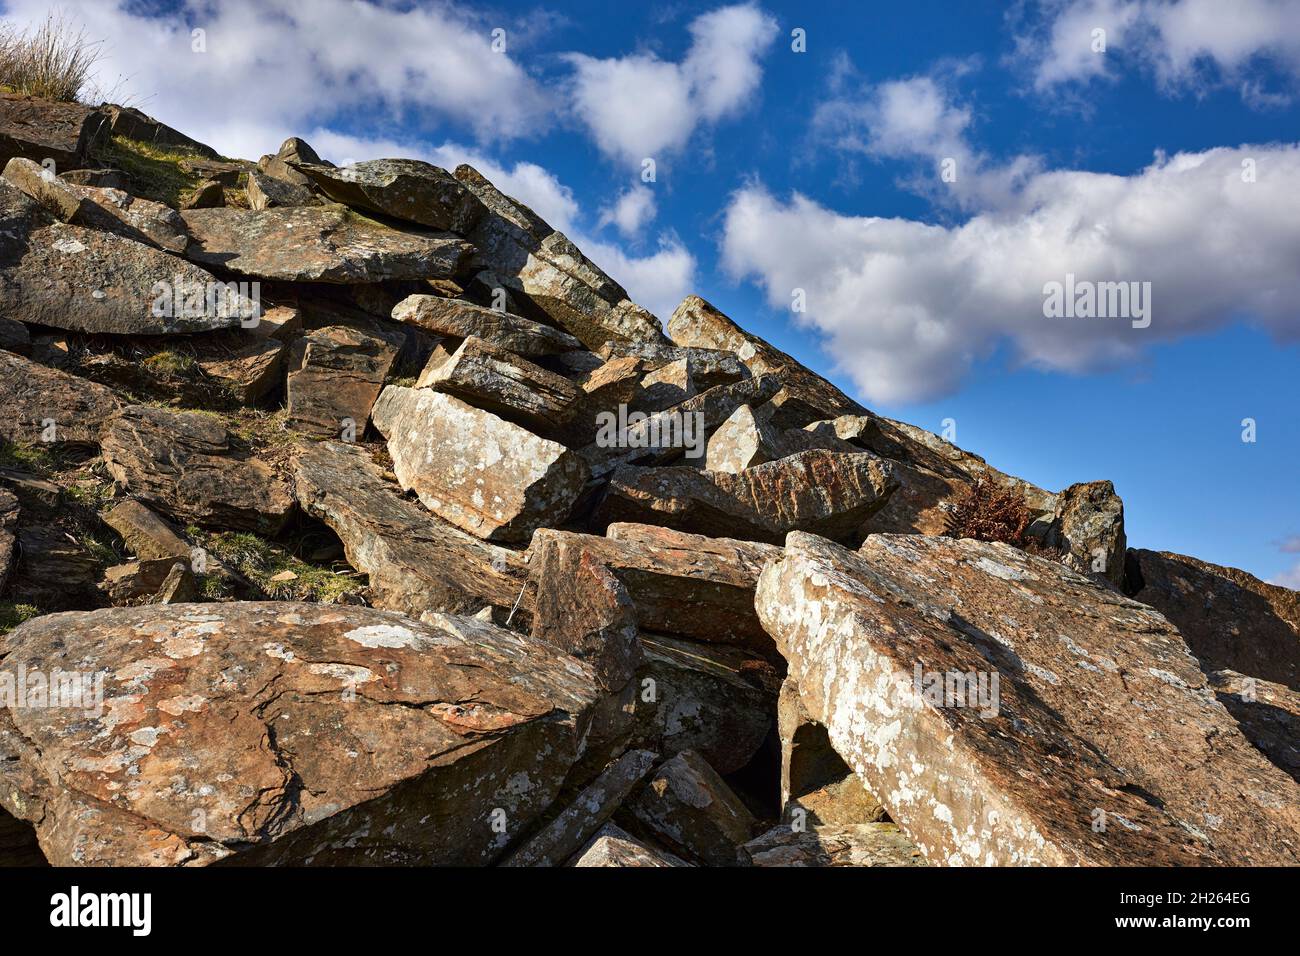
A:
[457,319]
[40,130]
[268,192]
[416,561]
[318,244]
[282,164]
[1099,742]
[1088,530]
[287,733]
[863,844]
[741,442]
[818,491]
[488,476]
[666,386]
[693,811]
[614,846]
[41,404]
[334,376]
[406,189]
[187,465]
[709,368]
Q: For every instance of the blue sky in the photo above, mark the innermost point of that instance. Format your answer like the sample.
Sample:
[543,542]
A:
[819,170]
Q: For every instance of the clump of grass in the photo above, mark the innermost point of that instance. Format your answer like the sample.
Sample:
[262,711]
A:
[171,364]
[156,173]
[36,459]
[262,561]
[990,512]
[11,615]
[54,61]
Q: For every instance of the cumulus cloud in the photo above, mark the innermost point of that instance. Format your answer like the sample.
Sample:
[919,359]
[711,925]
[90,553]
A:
[631,211]
[1184,42]
[908,307]
[271,68]
[640,106]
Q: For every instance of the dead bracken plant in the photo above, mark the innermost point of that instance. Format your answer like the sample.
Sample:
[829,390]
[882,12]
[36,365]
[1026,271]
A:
[53,61]
[990,512]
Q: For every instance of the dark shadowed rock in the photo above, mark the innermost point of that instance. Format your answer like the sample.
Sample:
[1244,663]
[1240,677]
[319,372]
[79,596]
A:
[334,376]
[40,404]
[1102,743]
[208,194]
[457,319]
[41,130]
[188,466]
[267,192]
[8,532]
[133,124]
[864,844]
[286,733]
[247,369]
[1268,714]
[282,164]
[687,806]
[14,337]
[406,189]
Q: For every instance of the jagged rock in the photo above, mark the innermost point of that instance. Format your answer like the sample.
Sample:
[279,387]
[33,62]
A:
[689,807]
[415,560]
[458,319]
[71,277]
[1088,530]
[1268,714]
[488,476]
[1100,743]
[335,375]
[14,337]
[248,371]
[318,244]
[267,192]
[133,124]
[8,530]
[186,465]
[864,844]
[666,386]
[614,846]
[179,587]
[816,491]
[406,189]
[288,733]
[549,273]
[40,404]
[126,583]
[110,210]
[741,442]
[1230,619]
[499,381]
[582,818]
[282,165]
[208,194]
[41,130]
[697,323]
[709,367]
[147,535]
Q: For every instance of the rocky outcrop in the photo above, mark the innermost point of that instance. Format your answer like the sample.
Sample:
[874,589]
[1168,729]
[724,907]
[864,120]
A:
[1088,530]
[41,404]
[405,189]
[41,130]
[1268,714]
[288,733]
[1100,742]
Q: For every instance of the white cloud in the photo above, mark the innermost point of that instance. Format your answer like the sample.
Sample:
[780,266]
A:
[1288,579]
[907,307]
[1185,42]
[631,211]
[640,106]
[275,67]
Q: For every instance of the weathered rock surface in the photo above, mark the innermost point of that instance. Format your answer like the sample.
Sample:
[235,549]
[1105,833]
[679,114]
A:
[133,124]
[709,367]
[147,535]
[40,404]
[614,846]
[288,733]
[416,561]
[318,244]
[689,807]
[741,442]
[41,130]
[334,376]
[282,165]
[1102,745]
[1088,530]
[1268,714]
[488,476]
[14,337]
[247,369]
[666,386]
[8,531]
[1230,619]
[863,844]
[188,466]
[267,192]
[406,189]
[458,319]
[818,491]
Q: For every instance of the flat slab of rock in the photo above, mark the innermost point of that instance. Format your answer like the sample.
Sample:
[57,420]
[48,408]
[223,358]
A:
[457,319]
[1230,619]
[38,403]
[334,376]
[318,244]
[266,192]
[688,806]
[247,369]
[819,491]
[147,535]
[709,367]
[133,124]
[287,733]
[186,465]
[863,844]
[406,189]
[415,560]
[488,476]
[1103,743]
[614,846]
[38,130]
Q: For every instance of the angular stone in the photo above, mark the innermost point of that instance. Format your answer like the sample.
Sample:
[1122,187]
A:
[488,476]
[499,381]
[741,442]
[1268,714]
[582,818]
[666,386]
[128,583]
[689,807]
[614,846]
[54,571]
[1088,530]
[39,403]
[71,277]
[283,733]
[1102,743]
[1230,619]
[698,324]
[267,192]
[416,561]
[282,164]
[186,465]
[103,178]
[148,536]
[133,124]
[179,587]
[318,244]
[817,491]
[709,367]
[41,130]
[458,319]
[406,189]
[248,371]
[864,844]
[8,534]
[280,322]
[334,376]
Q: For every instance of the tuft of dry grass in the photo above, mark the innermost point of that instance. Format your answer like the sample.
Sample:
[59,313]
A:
[53,61]
[990,512]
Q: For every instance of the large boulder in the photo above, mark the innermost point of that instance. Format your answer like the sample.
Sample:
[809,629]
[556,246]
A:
[406,189]
[1268,714]
[41,130]
[318,244]
[187,465]
[1088,530]
[1007,710]
[133,124]
[488,476]
[457,319]
[41,404]
[281,733]
[688,807]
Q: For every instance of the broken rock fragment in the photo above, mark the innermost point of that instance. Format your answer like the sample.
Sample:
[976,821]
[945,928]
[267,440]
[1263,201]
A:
[334,376]
[41,130]
[863,844]
[614,846]
[693,811]
[455,318]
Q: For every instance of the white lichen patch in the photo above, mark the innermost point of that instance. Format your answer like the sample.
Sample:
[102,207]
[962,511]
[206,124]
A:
[383,635]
